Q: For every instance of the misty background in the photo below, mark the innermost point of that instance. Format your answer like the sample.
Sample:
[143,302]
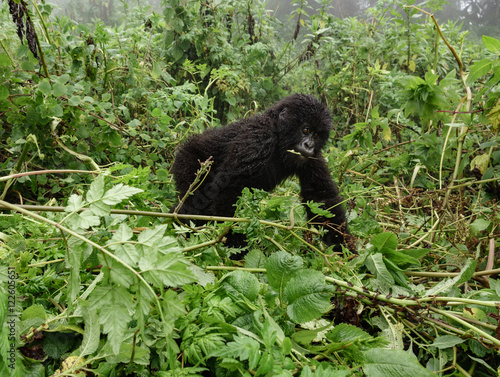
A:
[479,17]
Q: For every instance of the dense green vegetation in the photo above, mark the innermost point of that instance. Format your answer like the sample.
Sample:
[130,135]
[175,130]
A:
[96,278]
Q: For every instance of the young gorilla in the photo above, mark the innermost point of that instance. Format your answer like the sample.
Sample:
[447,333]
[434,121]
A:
[261,152]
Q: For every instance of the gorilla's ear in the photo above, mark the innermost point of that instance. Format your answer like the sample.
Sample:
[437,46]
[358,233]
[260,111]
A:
[283,115]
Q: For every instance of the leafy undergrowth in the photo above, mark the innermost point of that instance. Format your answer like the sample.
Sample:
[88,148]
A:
[97,278]
[98,299]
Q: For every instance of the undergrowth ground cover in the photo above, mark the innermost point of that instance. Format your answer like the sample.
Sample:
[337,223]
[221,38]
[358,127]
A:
[97,279]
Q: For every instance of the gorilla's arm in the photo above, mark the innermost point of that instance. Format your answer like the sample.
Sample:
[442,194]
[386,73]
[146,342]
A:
[318,186]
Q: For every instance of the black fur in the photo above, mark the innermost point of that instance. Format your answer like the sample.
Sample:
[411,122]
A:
[255,152]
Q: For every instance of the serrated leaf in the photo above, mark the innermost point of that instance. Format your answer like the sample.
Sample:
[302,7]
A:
[244,348]
[114,317]
[96,190]
[88,220]
[392,363]
[91,332]
[118,193]
[127,252]
[75,101]
[386,131]
[173,305]
[317,210]
[75,203]
[169,270]
[151,235]
[280,267]
[122,234]
[307,295]
[100,209]
[467,271]
[446,341]
[121,275]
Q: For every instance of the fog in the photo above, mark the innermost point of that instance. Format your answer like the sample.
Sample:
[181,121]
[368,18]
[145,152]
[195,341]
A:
[477,16]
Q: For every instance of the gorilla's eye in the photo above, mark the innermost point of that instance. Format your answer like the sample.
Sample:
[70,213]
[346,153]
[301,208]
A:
[306,130]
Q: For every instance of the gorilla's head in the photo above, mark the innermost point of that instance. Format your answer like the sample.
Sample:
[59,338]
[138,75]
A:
[303,125]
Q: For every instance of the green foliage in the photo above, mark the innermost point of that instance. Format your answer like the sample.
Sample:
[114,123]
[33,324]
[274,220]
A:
[414,150]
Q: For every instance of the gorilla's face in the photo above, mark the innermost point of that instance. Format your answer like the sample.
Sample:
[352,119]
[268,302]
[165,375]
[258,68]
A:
[302,129]
[307,144]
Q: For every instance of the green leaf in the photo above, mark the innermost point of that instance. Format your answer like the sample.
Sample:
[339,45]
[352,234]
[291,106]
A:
[392,363]
[4,92]
[399,258]
[446,341]
[307,295]
[467,271]
[91,332]
[344,332]
[243,348]
[87,220]
[385,241]
[156,112]
[280,267]
[484,363]
[169,270]
[113,314]
[317,210]
[118,193]
[96,190]
[125,353]
[266,364]
[244,282]
[59,89]
[415,253]
[492,44]
[4,60]
[306,337]
[479,225]
[44,87]
[377,267]
[75,101]
[151,235]
[27,65]
[478,70]
[34,311]
[124,250]
[156,71]
[445,285]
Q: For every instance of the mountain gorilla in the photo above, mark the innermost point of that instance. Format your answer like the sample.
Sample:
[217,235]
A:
[261,152]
